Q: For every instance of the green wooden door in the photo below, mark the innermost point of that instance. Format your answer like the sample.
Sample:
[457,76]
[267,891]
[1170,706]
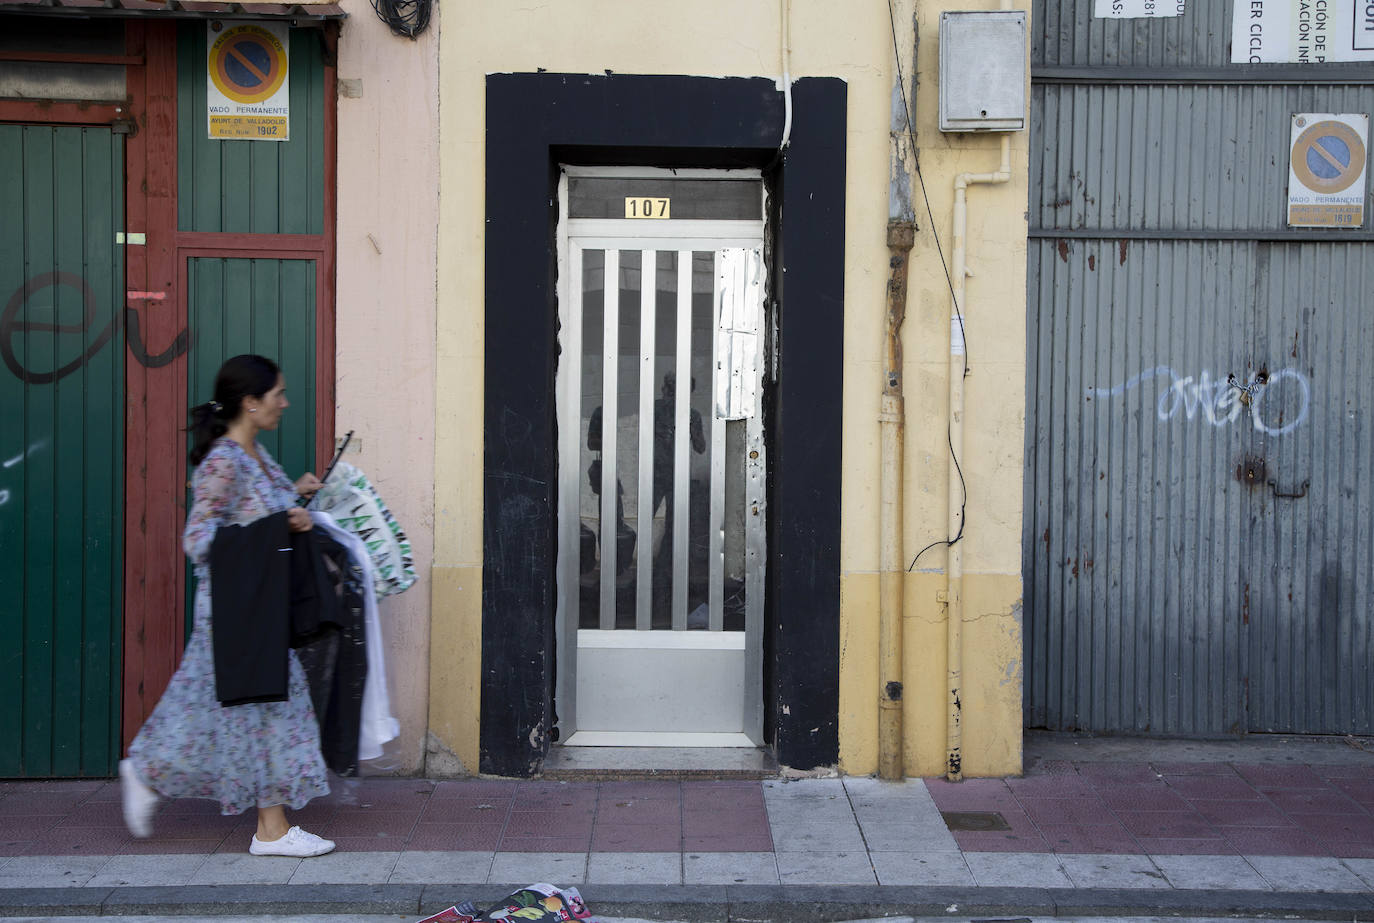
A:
[61,449]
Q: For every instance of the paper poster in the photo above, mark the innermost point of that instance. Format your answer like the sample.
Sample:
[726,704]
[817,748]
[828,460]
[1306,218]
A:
[1137,9]
[1302,31]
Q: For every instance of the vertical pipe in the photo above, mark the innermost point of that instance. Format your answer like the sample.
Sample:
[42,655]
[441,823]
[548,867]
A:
[958,368]
[900,236]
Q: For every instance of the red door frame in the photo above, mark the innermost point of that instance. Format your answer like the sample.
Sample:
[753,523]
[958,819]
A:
[154,573]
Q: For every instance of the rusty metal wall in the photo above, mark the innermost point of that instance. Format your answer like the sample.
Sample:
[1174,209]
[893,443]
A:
[1198,548]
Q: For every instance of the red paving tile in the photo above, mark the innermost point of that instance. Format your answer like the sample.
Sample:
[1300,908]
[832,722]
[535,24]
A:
[25,826]
[1360,789]
[1051,786]
[465,811]
[1166,824]
[80,841]
[1242,814]
[1312,801]
[41,802]
[192,826]
[1194,769]
[726,826]
[474,788]
[1151,797]
[1101,775]
[371,823]
[15,847]
[1345,828]
[639,812]
[1084,810]
[545,844]
[649,791]
[1094,838]
[1213,788]
[1269,775]
[454,837]
[1272,841]
[1347,850]
[548,823]
[636,839]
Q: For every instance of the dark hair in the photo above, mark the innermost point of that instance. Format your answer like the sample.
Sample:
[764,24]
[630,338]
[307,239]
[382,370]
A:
[240,377]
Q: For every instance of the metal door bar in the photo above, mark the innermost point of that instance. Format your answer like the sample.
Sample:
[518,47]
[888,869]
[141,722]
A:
[682,439]
[648,310]
[610,424]
[716,528]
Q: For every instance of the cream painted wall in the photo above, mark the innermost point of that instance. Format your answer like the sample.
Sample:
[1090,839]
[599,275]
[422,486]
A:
[387,229]
[852,41]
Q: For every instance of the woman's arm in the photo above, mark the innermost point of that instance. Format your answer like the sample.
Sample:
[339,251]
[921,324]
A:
[214,494]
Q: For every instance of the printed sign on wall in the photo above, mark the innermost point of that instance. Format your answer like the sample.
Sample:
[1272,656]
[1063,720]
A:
[1137,9]
[1326,170]
[248,90]
[1302,31]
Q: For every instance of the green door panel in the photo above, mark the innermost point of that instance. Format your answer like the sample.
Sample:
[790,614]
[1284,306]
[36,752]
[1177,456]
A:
[61,450]
[251,187]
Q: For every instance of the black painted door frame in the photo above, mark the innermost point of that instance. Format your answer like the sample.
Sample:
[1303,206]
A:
[534,123]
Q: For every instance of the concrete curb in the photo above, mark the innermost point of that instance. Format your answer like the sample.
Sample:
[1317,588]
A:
[692,903]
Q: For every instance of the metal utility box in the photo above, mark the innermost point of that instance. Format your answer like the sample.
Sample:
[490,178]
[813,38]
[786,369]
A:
[983,71]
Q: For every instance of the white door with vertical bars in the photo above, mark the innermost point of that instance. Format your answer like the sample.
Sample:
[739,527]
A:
[661,518]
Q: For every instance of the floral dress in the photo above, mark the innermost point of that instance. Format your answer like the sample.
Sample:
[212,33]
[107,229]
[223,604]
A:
[254,755]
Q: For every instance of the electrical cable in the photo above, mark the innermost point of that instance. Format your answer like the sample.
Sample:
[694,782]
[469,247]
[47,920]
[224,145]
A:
[405,17]
[954,299]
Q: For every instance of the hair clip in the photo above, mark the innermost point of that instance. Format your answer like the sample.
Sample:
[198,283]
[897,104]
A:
[216,406]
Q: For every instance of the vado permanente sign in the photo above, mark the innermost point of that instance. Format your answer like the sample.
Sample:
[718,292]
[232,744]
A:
[248,92]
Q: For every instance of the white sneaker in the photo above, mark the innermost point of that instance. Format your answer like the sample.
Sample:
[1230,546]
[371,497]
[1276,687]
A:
[139,801]
[297,844]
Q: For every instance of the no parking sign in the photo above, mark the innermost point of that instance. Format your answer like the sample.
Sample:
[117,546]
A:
[1326,170]
[247,90]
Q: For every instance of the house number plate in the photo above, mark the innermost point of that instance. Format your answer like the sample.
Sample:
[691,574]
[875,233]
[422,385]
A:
[646,207]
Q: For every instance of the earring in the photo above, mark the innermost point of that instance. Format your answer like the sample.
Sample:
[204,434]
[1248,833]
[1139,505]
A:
[252,410]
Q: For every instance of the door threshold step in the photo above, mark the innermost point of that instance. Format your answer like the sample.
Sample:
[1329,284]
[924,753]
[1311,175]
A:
[624,764]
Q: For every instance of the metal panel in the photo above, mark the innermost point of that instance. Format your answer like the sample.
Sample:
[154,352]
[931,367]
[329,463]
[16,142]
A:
[61,449]
[251,187]
[1197,545]
[1169,158]
[1198,490]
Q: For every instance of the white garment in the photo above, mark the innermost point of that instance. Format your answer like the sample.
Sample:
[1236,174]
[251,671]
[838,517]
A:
[377,726]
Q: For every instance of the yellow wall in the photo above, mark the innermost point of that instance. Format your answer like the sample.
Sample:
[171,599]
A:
[852,41]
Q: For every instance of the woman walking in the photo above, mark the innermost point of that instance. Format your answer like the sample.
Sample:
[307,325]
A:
[263,755]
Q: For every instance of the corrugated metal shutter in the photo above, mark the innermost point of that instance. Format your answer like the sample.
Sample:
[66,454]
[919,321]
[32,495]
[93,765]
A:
[61,449]
[1197,548]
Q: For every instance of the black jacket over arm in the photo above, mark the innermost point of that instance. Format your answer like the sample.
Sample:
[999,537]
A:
[250,595]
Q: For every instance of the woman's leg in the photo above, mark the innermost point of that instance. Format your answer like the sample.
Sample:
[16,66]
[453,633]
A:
[272,824]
